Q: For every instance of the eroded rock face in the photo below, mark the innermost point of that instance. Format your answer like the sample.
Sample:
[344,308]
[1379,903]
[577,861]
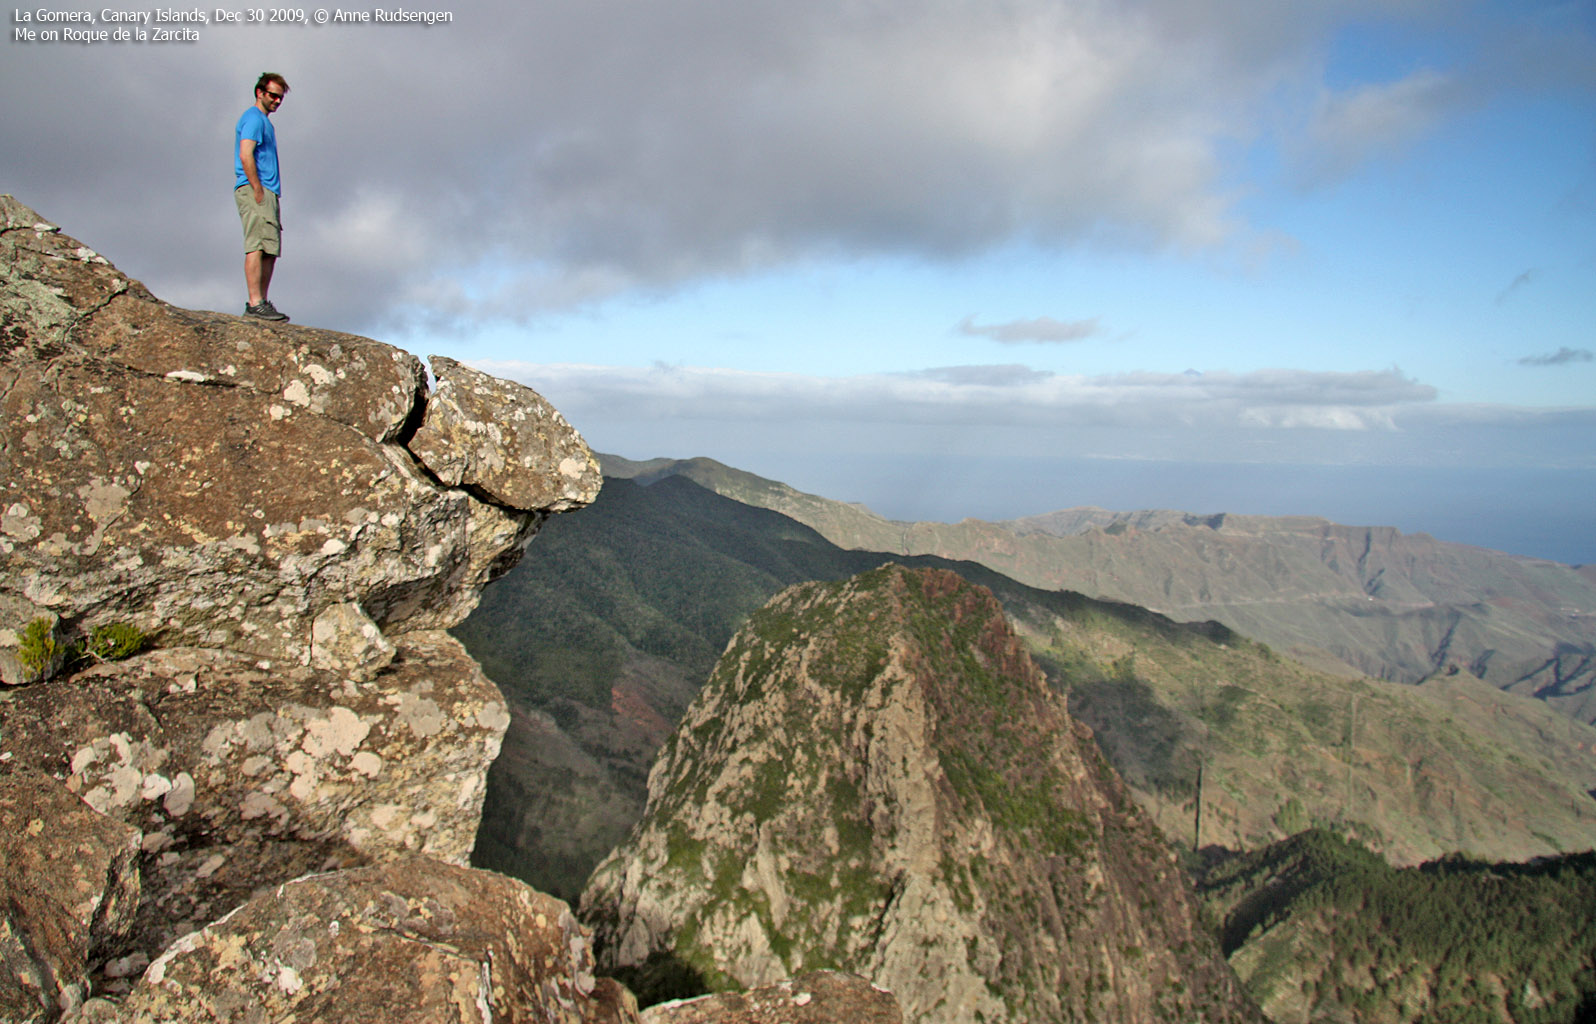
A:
[513,458]
[69,886]
[414,940]
[876,778]
[242,774]
[224,481]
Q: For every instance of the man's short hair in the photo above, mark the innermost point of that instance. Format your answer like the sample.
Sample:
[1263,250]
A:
[268,78]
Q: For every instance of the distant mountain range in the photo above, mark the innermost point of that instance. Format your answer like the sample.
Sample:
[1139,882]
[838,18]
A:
[1359,600]
[602,639]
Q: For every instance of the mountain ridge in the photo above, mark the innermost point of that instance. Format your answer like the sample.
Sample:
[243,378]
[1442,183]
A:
[1361,600]
[636,598]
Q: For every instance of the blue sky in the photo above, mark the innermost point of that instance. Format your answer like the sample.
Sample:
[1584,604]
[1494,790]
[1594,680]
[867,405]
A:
[1017,245]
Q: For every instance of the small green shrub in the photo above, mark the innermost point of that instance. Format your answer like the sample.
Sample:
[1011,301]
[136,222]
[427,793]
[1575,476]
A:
[1292,817]
[116,640]
[38,647]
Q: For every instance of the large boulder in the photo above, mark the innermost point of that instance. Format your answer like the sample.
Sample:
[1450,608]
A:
[224,481]
[414,941]
[242,774]
[500,440]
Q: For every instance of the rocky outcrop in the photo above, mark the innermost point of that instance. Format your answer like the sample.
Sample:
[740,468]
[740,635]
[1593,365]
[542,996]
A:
[239,776]
[877,779]
[290,518]
[819,997]
[413,940]
[230,484]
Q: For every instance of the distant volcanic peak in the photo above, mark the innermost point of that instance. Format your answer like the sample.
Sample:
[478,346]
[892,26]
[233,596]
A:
[889,645]
[931,622]
[878,780]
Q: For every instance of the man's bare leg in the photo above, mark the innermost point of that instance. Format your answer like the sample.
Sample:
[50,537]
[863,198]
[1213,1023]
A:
[258,267]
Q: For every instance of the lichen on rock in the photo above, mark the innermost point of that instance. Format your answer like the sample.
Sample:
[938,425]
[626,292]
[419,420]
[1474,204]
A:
[414,940]
[247,496]
[222,481]
[69,889]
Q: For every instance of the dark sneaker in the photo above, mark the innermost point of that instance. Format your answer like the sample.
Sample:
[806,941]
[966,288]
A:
[264,311]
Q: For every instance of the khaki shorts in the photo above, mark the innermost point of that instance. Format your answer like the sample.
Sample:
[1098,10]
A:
[263,222]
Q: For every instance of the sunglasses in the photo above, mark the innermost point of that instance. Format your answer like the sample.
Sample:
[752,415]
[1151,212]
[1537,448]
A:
[278,96]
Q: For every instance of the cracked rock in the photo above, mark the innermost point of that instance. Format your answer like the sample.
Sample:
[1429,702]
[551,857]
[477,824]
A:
[225,482]
[69,885]
[415,940]
[241,776]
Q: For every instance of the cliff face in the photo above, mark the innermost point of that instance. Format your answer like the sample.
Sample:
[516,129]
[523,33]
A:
[291,519]
[877,779]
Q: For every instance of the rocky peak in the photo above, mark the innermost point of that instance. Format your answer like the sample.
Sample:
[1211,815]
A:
[271,811]
[229,483]
[876,779]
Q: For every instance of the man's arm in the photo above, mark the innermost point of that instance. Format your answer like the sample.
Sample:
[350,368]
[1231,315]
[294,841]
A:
[246,156]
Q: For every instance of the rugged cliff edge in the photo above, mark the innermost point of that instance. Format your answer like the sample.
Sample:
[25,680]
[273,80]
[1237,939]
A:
[877,779]
[293,518]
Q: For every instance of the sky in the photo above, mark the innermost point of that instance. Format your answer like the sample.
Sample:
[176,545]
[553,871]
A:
[946,258]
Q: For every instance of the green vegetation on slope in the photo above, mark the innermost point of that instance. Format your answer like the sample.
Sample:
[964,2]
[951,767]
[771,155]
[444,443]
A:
[877,778]
[1414,771]
[618,613]
[668,579]
[1320,928]
[611,623]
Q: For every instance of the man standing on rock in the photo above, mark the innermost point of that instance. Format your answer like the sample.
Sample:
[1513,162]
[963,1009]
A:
[258,191]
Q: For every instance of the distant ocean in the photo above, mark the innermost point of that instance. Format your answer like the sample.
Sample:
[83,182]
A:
[1543,513]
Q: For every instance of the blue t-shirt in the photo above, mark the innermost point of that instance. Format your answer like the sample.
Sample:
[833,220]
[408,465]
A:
[252,124]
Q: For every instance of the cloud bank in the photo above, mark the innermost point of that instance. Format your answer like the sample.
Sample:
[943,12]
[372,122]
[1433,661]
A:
[987,396]
[1004,412]
[528,158]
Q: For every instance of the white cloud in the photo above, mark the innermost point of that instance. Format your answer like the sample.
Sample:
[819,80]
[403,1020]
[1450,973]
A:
[575,149]
[1562,357]
[969,420]
[1523,280]
[1042,329]
[982,395]
[372,231]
